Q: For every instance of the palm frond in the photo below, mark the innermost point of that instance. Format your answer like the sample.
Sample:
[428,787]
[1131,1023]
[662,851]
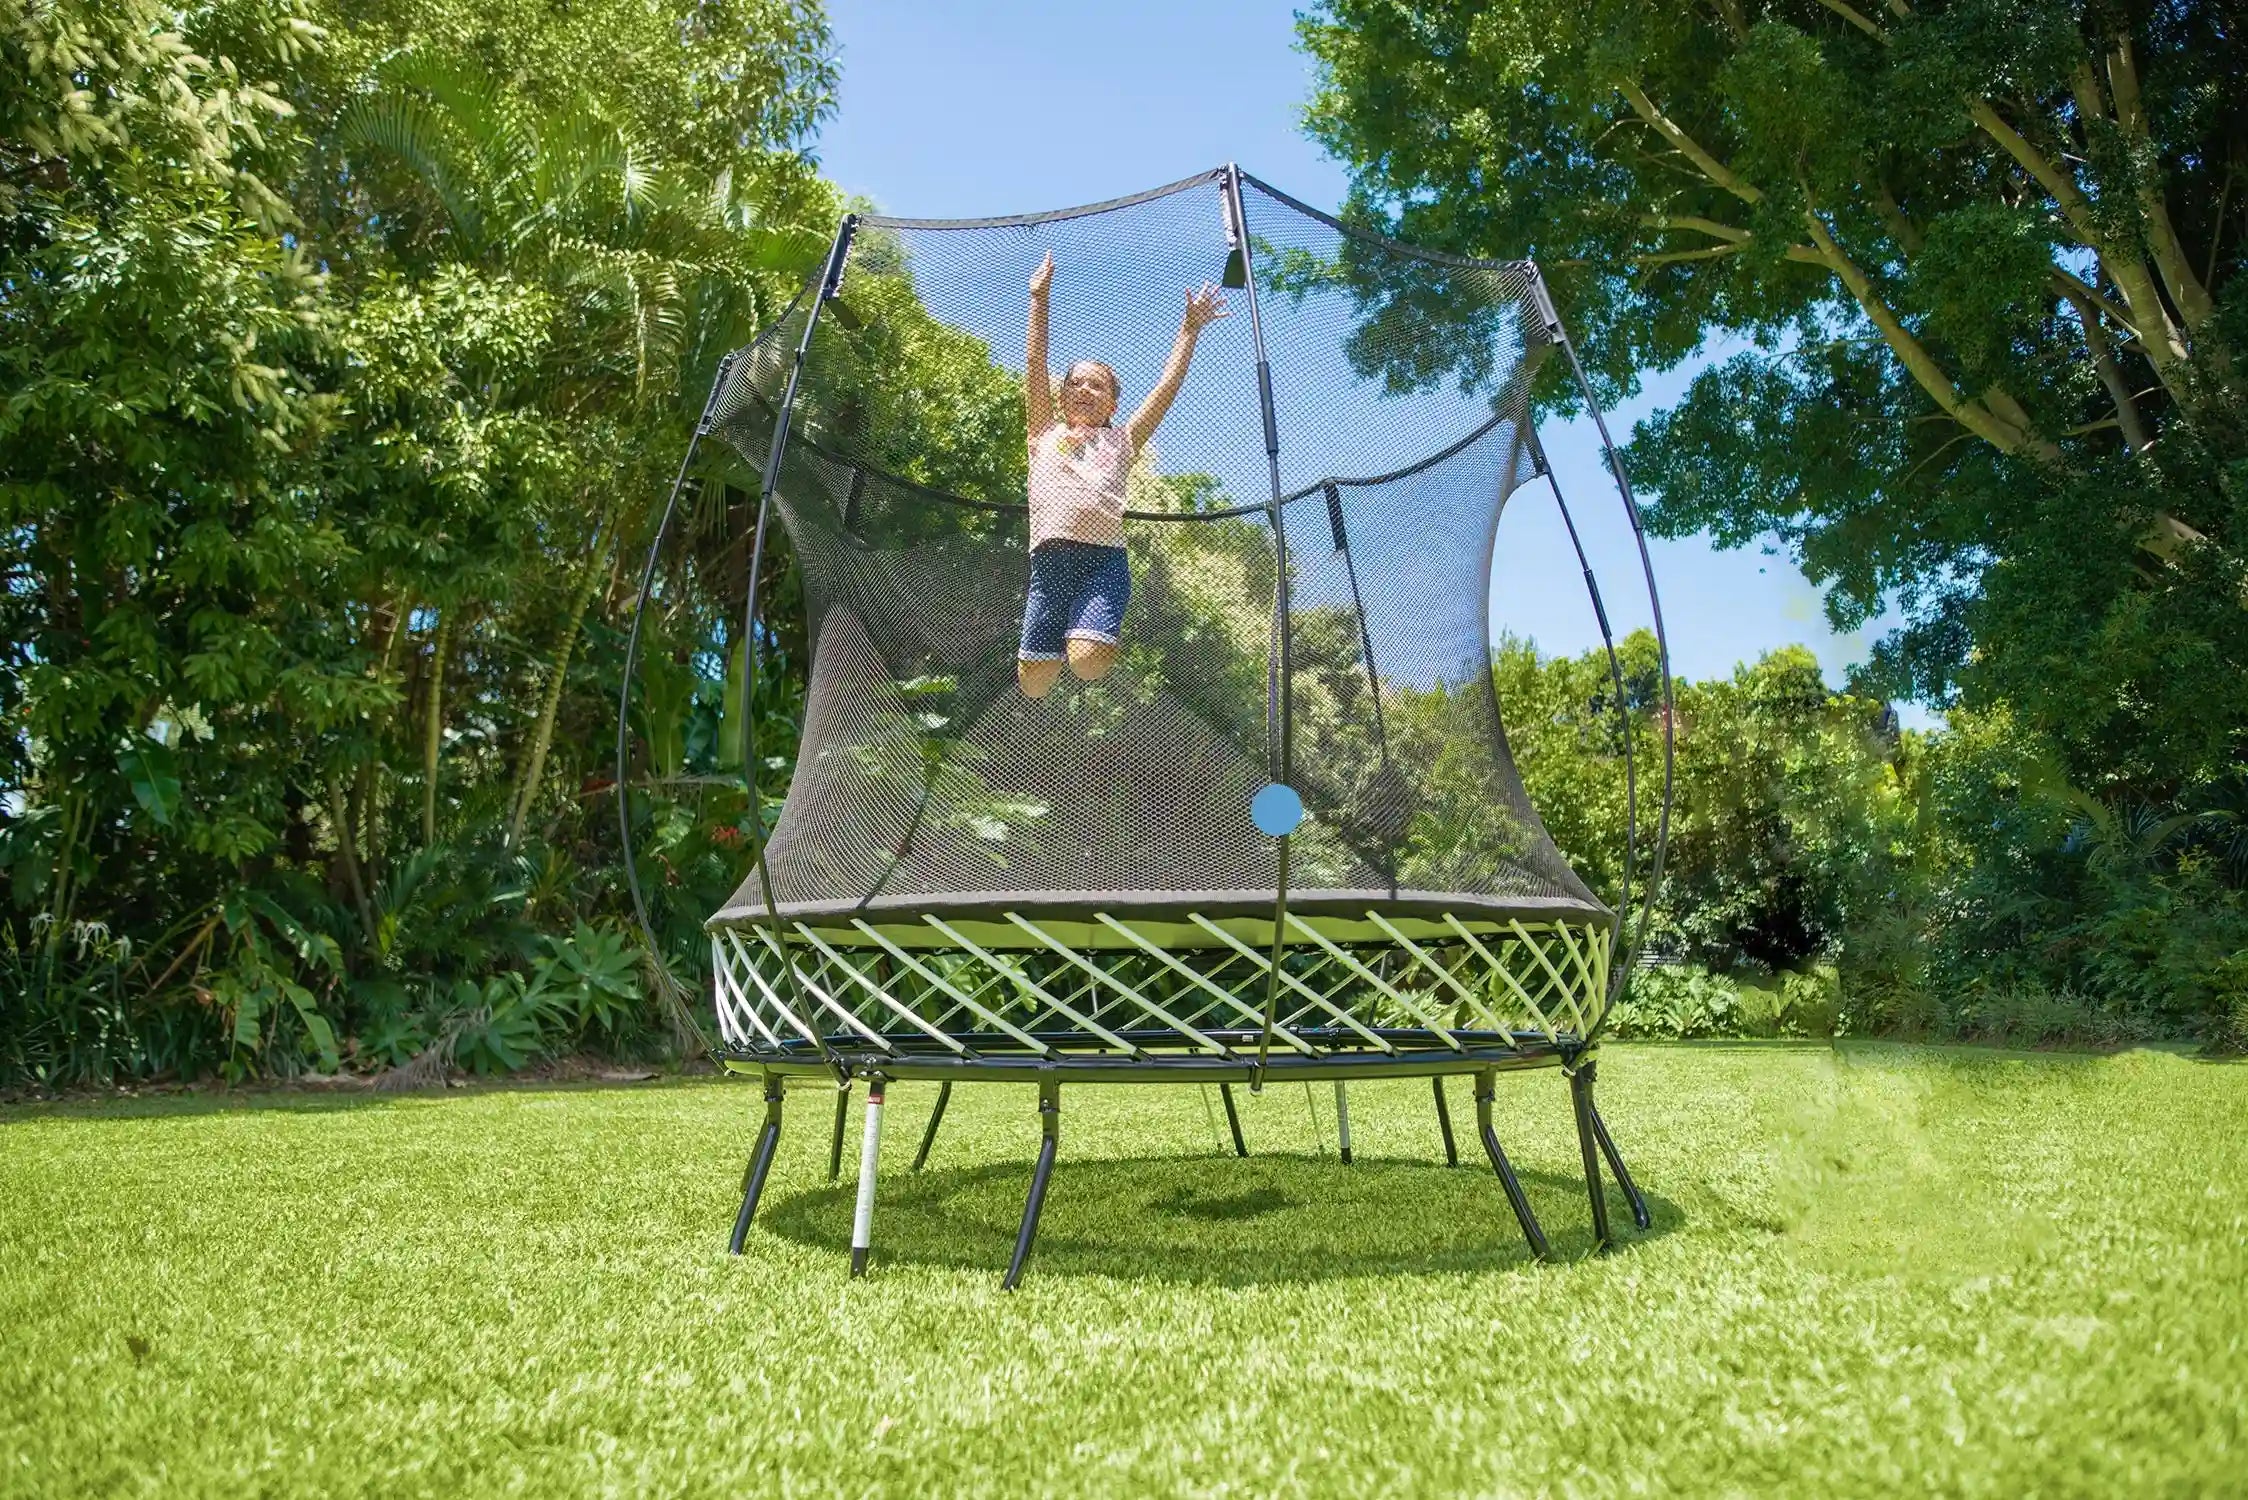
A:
[423,140]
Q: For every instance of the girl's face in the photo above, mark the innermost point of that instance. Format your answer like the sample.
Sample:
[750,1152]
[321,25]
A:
[1088,394]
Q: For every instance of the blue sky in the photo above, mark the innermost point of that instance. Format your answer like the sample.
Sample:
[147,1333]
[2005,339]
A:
[978,107]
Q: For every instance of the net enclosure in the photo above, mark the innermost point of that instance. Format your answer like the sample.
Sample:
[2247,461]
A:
[1150,729]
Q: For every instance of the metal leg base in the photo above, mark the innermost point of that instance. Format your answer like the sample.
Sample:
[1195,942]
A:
[1514,1194]
[1050,1129]
[1580,1102]
[1233,1119]
[760,1163]
[1444,1123]
[1638,1200]
[835,1144]
[936,1118]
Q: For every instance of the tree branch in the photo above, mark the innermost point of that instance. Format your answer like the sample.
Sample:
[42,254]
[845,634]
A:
[2170,536]
[2186,289]
[1710,227]
[2076,289]
[2001,401]
[2148,318]
[1977,418]
[1715,170]
[2127,416]
[1859,19]
[1671,257]
[2057,183]
[1937,452]
[2217,224]
[1901,229]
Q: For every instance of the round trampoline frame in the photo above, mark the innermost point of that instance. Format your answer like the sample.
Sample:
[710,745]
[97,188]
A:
[1205,987]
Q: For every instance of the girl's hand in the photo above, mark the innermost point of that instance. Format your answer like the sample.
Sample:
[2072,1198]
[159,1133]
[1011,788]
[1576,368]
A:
[1205,306]
[1043,277]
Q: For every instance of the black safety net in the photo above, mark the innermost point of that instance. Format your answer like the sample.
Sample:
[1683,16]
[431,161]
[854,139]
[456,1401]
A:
[928,781]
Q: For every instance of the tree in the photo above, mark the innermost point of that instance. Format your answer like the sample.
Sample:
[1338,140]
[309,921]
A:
[1795,835]
[1984,257]
[302,460]
[167,561]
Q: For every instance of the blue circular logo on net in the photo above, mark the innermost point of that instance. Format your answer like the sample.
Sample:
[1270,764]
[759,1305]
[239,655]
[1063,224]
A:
[1277,810]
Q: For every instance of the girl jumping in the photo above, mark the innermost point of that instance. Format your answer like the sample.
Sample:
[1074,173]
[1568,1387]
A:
[1080,581]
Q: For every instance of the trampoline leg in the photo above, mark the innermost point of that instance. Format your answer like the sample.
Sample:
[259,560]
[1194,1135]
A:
[1444,1123]
[1342,1119]
[1050,1129]
[1514,1194]
[936,1118]
[1233,1119]
[760,1163]
[870,1157]
[1639,1214]
[835,1145]
[1580,1101]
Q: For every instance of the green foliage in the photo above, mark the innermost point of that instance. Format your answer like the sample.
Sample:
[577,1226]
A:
[1984,322]
[1795,826]
[500,1025]
[349,349]
[2138,909]
[1683,1002]
[1677,1005]
[330,402]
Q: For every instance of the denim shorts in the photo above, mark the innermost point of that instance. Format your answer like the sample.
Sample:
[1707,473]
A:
[1078,592]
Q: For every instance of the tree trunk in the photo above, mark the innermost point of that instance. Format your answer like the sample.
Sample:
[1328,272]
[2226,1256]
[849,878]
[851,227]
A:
[542,737]
[433,725]
[363,810]
[346,851]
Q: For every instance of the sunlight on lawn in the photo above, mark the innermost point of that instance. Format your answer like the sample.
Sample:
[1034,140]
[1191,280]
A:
[1874,1269]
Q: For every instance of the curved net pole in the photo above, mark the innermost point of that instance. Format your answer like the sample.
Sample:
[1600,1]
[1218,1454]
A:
[1279,683]
[673,997]
[831,278]
[1619,975]
[1615,672]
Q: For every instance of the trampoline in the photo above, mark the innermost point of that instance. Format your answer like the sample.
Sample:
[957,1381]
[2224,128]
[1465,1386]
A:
[1281,837]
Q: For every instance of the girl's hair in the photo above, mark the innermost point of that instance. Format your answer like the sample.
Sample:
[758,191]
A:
[1115,386]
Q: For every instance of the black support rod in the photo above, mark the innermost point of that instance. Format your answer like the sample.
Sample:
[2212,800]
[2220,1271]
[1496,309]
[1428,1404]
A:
[1638,1200]
[1580,1102]
[936,1118]
[1519,1200]
[1279,673]
[760,1164]
[1619,976]
[1050,1132]
[1366,651]
[1444,1122]
[835,1142]
[831,276]
[1233,1119]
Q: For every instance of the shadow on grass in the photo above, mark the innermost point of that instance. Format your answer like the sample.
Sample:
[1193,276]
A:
[1216,1219]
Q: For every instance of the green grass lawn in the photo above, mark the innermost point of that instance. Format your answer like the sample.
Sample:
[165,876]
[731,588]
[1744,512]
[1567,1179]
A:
[1874,1271]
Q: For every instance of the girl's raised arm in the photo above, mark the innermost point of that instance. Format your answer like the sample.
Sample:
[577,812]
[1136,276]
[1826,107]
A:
[1038,388]
[1205,306]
